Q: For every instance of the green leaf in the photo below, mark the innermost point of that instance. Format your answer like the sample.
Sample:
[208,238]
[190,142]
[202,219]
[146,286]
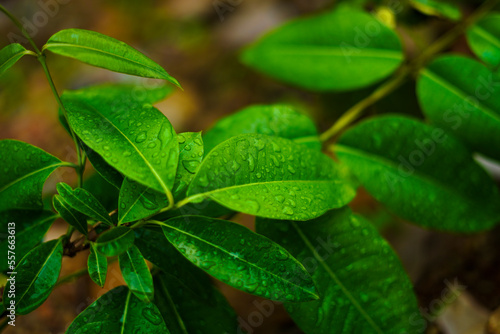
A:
[271,177]
[442,8]
[190,157]
[106,52]
[240,258]
[115,241]
[420,173]
[30,227]
[36,276]
[341,50]
[97,265]
[119,311]
[273,120]
[84,202]
[107,172]
[9,55]
[136,274]
[24,171]
[484,39]
[104,192]
[70,215]
[131,136]
[466,105]
[363,287]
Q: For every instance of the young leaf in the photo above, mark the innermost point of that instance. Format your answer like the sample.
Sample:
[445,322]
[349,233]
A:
[442,8]
[30,227]
[190,157]
[363,287]
[9,55]
[106,52]
[420,173]
[484,39]
[24,171]
[119,311]
[70,215]
[115,241]
[136,274]
[97,265]
[36,276]
[84,202]
[468,106]
[273,120]
[271,177]
[341,50]
[136,139]
[240,258]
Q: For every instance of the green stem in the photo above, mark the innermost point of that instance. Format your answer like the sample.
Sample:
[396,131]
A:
[21,27]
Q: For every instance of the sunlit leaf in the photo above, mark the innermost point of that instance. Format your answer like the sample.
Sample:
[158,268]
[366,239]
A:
[9,55]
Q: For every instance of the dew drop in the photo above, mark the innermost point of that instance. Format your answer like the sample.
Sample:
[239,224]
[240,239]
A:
[141,136]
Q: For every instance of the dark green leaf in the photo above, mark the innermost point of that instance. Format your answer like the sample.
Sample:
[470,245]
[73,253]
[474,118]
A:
[70,215]
[484,39]
[190,157]
[273,120]
[136,274]
[271,177]
[420,173]
[103,51]
[107,172]
[240,258]
[97,265]
[24,171]
[9,55]
[363,287]
[341,50]
[442,8]
[119,311]
[115,241]
[104,192]
[36,276]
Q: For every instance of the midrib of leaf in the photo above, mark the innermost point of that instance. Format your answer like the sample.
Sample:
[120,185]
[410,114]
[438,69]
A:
[96,255]
[70,211]
[115,239]
[336,51]
[308,139]
[43,221]
[236,257]
[106,219]
[172,306]
[336,279]
[59,164]
[132,206]
[137,273]
[486,35]
[125,311]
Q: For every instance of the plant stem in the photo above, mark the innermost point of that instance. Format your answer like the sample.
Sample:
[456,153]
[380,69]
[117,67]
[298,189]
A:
[21,27]
[399,78]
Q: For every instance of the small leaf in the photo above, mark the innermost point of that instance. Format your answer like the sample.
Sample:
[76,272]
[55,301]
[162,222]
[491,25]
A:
[30,227]
[119,311]
[106,52]
[484,39]
[36,276]
[83,201]
[442,8]
[97,265]
[271,177]
[136,274]
[190,157]
[115,241]
[420,173]
[272,120]
[363,287]
[24,171]
[240,258]
[344,49]
[9,55]
[70,215]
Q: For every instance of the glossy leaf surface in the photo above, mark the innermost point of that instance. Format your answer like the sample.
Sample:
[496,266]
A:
[420,173]
[484,39]
[363,287]
[271,177]
[70,215]
[97,265]
[9,55]
[103,168]
[240,258]
[190,157]
[115,241]
[136,274]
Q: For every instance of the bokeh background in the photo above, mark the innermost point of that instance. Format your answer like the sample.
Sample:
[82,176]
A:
[198,42]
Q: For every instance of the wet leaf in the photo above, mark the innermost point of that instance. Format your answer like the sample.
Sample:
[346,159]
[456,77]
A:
[97,265]
[9,55]
[115,241]
[240,258]
[190,157]
[484,39]
[136,274]
[107,172]
[70,215]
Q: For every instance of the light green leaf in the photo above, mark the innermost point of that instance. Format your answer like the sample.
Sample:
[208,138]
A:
[97,265]
[70,215]
[115,241]
[84,202]
[24,171]
[240,258]
[442,8]
[119,311]
[363,287]
[136,274]
[30,227]
[271,177]
[133,137]
[9,55]
[466,105]
[420,173]
[36,276]
[272,120]
[106,52]
[484,39]
[341,50]
[190,157]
